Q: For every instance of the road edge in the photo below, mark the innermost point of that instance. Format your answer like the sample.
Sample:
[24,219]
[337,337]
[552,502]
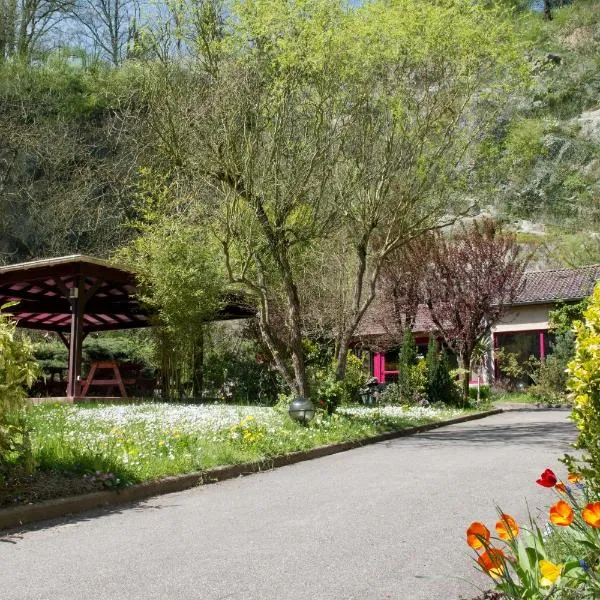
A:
[60,507]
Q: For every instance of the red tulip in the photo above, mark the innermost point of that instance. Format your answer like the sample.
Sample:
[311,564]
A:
[492,561]
[547,479]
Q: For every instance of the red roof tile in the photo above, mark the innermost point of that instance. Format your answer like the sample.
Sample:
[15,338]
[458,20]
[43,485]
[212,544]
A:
[538,287]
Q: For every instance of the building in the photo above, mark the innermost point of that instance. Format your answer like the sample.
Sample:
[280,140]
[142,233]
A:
[523,329]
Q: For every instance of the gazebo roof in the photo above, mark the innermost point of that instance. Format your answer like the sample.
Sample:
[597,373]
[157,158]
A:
[42,289]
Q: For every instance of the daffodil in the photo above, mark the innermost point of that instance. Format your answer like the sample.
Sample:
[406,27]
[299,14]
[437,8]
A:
[550,573]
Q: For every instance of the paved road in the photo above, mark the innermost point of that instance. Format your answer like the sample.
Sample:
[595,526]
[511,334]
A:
[384,521]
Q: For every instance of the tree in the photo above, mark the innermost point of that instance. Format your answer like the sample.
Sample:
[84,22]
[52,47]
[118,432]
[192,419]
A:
[67,158]
[468,279]
[180,281]
[307,125]
[439,387]
[421,112]
[24,23]
[109,26]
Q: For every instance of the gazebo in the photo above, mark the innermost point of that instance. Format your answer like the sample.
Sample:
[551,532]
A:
[74,296]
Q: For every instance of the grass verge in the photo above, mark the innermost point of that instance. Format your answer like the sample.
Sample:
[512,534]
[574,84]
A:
[81,448]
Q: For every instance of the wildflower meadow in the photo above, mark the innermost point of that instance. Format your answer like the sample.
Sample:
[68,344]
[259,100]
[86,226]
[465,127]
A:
[139,442]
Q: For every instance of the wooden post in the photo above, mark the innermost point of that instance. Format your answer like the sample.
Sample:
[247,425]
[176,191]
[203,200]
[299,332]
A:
[77,300]
[542,346]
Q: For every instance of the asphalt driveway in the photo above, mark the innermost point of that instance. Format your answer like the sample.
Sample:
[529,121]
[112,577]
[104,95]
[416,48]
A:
[383,521]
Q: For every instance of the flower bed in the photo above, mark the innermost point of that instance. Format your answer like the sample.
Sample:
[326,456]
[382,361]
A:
[110,446]
[561,560]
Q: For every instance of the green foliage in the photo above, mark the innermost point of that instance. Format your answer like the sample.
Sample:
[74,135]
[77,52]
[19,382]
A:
[517,373]
[146,441]
[547,168]
[51,355]
[584,384]
[483,394]
[439,386]
[70,163]
[234,370]
[327,392]
[562,319]
[17,372]
[412,390]
[409,381]
[180,280]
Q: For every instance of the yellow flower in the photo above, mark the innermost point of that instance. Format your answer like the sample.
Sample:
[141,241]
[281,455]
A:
[550,573]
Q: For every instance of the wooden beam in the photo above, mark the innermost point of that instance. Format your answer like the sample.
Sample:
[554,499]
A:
[63,338]
[77,298]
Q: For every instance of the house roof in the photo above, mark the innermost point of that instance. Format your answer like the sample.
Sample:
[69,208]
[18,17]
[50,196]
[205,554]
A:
[380,323]
[42,289]
[558,284]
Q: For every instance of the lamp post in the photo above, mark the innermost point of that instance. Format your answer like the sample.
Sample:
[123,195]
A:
[301,410]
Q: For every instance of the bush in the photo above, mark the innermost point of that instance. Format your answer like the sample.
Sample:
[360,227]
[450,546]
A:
[17,371]
[439,385]
[407,361]
[484,392]
[411,392]
[233,370]
[584,383]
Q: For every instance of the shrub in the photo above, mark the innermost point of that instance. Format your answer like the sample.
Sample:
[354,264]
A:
[412,390]
[439,385]
[584,383]
[484,392]
[17,371]
[407,360]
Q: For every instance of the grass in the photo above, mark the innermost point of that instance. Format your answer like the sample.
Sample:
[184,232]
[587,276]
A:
[126,444]
[513,398]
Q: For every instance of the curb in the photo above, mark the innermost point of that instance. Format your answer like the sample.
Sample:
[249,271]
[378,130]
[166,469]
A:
[51,509]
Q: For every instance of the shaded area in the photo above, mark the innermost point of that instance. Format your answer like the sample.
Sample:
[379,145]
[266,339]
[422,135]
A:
[15,535]
[541,433]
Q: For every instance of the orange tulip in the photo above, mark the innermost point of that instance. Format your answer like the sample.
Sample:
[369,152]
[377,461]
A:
[507,527]
[573,478]
[478,535]
[561,487]
[492,562]
[591,514]
[561,514]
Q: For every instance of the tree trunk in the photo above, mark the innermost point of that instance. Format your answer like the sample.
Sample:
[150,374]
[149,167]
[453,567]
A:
[464,363]
[296,345]
[342,358]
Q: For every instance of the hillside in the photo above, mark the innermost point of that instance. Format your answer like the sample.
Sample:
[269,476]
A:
[71,146]
[550,185]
